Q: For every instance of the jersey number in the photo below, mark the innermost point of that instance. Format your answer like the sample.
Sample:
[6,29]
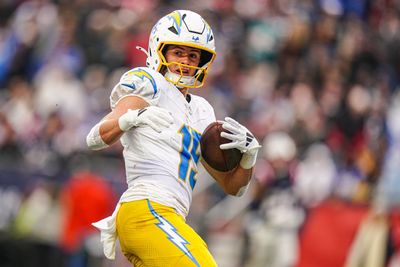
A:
[190,154]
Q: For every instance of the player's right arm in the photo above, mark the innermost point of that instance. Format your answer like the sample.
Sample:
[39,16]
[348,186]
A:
[133,105]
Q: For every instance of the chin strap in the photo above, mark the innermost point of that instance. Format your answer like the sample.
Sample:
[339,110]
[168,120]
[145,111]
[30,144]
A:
[179,80]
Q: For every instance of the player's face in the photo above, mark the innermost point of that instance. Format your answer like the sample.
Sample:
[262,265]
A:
[183,55]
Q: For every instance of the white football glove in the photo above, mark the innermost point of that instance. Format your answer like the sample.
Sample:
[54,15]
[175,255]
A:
[155,117]
[243,140]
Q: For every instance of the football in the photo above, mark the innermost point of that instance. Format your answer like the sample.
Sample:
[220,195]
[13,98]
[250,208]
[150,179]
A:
[218,159]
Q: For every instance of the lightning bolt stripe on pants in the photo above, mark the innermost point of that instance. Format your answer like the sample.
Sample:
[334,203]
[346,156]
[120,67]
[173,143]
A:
[172,234]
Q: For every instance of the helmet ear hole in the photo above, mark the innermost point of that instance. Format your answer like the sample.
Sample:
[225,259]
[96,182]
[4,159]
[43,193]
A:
[201,76]
[164,50]
[205,58]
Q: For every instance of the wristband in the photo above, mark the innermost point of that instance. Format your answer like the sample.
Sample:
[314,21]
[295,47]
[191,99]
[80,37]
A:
[94,140]
[249,159]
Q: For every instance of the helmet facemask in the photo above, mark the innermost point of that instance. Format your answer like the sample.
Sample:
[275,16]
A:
[181,80]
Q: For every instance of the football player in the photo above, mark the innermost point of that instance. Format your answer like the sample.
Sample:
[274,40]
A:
[159,124]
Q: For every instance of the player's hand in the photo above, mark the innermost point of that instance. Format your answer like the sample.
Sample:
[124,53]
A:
[240,136]
[155,117]
[241,139]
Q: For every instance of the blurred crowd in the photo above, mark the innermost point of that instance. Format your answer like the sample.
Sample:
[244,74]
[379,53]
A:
[317,81]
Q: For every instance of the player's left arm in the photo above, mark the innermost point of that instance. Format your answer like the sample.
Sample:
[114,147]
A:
[235,182]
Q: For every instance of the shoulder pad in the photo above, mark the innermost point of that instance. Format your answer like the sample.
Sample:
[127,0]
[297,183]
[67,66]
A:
[142,82]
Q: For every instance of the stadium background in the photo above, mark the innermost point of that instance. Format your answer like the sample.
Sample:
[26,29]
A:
[320,74]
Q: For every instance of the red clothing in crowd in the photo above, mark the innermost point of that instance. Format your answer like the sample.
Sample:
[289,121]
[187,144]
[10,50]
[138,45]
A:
[86,198]
[328,233]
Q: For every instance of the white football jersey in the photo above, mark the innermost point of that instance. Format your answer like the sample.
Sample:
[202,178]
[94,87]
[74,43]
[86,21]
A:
[162,166]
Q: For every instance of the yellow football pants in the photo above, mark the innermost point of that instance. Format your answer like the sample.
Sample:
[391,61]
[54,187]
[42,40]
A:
[154,235]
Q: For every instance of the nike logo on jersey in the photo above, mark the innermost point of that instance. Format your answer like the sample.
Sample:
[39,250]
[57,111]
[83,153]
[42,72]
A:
[129,85]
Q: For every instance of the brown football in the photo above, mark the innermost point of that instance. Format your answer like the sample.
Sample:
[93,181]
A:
[218,159]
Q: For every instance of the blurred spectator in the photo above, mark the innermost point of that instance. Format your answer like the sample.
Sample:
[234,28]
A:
[369,248]
[19,110]
[42,154]
[39,215]
[37,227]
[315,175]
[336,223]
[394,235]
[387,193]
[278,213]
[10,154]
[85,198]
[309,126]
[32,28]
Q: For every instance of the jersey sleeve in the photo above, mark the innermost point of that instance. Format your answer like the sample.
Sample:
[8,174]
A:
[138,82]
